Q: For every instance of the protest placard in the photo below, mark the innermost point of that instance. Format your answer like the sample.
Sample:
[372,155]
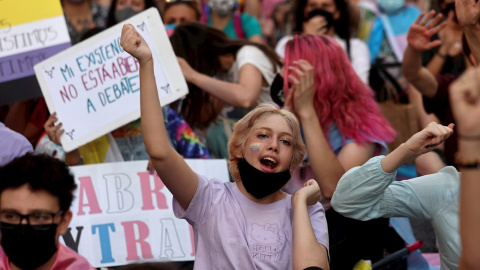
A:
[30,32]
[94,86]
[122,214]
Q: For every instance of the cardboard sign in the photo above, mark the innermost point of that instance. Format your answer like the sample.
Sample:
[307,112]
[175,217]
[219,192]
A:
[94,86]
[30,32]
[122,214]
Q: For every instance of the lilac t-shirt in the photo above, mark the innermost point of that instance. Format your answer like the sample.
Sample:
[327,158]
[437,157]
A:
[233,232]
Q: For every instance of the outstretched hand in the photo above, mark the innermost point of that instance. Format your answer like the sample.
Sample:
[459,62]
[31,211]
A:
[301,95]
[315,26]
[422,30]
[133,43]
[465,103]
[429,138]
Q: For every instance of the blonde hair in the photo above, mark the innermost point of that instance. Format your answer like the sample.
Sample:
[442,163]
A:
[242,129]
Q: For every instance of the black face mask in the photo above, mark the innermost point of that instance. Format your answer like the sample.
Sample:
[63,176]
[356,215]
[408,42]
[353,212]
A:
[27,246]
[261,184]
[276,90]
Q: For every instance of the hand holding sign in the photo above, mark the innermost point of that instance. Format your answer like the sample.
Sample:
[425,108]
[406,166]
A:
[133,43]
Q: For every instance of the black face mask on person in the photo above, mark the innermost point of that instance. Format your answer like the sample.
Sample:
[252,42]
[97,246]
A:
[261,184]
[28,246]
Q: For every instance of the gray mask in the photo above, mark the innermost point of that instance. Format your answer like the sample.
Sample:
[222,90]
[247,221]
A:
[123,14]
[222,8]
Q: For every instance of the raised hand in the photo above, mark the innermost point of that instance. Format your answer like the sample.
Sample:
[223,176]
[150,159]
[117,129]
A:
[468,12]
[315,26]
[187,70]
[53,131]
[133,43]
[310,192]
[422,30]
[300,97]
[465,103]
[429,138]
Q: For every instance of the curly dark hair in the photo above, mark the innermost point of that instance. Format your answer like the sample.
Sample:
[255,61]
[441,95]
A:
[40,172]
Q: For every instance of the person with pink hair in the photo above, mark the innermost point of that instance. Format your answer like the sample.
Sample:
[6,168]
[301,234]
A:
[342,127]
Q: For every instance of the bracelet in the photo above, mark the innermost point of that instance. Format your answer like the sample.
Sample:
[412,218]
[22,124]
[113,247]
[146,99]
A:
[462,164]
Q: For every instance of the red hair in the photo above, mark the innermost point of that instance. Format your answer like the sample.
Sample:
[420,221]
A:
[341,97]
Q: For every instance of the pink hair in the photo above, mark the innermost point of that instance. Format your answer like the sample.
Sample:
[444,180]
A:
[341,96]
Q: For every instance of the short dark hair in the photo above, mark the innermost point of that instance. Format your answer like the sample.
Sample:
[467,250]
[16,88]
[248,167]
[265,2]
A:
[40,172]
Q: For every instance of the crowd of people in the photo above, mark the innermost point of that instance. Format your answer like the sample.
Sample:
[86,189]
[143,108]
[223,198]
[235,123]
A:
[289,93]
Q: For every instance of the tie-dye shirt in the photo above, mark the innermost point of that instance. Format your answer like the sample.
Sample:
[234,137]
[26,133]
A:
[182,137]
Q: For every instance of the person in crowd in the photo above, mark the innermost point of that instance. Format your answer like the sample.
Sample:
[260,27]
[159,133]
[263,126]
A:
[270,229]
[83,15]
[332,18]
[448,58]
[464,95]
[220,71]
[435,88]
[121,10]
[224,16]
[13,145]
[180,11]
[333,106]
[36,192]
[370,191]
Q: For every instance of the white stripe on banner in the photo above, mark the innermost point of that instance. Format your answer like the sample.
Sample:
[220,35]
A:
[33,36]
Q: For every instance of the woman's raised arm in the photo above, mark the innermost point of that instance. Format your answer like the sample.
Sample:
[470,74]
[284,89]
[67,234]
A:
[170,166]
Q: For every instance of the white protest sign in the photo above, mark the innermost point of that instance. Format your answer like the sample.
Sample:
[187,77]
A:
[122,214]
[94,86]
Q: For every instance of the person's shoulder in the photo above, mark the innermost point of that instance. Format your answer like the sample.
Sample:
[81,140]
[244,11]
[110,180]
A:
[247,17]
[250,53]
[70,260]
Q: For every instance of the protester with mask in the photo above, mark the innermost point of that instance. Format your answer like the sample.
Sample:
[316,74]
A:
[121,10]
[224,16]
[248,224]
[36,192]
[331,18]
[83,15]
